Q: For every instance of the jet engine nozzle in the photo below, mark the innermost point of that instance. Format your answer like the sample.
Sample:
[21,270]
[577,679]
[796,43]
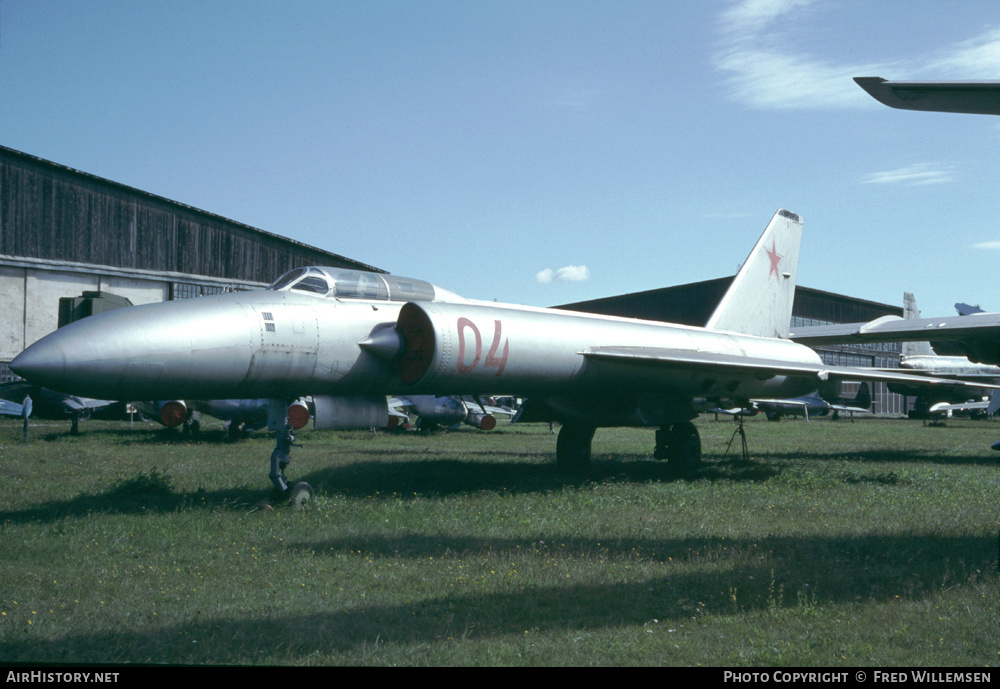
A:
[173,413]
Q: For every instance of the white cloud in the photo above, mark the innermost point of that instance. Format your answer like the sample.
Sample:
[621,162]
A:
[976,58]
[993,246]
[564,274]
[545,276]
[913,175]
[764,70]
[756,15]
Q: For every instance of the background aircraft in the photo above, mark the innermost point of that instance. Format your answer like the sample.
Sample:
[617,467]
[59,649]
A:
[814,405]
[980,408]
[979,337]
[52,405]
[920,357]
[351,338]
[967,310]
[435,411]
[805,406]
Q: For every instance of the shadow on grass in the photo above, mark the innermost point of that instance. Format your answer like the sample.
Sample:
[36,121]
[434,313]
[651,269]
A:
[404,479]
[144,435]
[783,577]
[415,475]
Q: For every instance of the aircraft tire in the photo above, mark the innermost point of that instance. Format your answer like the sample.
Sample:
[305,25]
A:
[573,447]
[300,495]
[684,448]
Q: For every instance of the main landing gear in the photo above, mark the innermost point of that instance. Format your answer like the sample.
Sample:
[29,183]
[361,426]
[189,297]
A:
[678,443]
[573,447]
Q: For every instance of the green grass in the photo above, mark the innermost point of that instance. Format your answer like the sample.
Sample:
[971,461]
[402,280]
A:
[873,543]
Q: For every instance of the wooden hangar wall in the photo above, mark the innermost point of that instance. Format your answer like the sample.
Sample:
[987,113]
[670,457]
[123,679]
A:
[692,304]
[64,232]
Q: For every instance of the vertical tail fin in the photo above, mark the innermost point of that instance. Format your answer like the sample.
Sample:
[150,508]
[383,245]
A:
[910,311]
[759,301]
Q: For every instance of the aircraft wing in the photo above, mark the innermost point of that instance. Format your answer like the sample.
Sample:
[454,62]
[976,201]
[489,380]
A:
[979,335]
[655,357]
[76,404]
[847,408]
[8,408]
[976,98]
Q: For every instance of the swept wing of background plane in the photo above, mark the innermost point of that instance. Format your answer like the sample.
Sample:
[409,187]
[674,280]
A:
[971,97]
[357,337]
[8,408]
[978,335]
[920,357]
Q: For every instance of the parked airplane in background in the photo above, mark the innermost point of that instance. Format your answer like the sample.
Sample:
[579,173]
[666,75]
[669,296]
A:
[980,408]
[921,357]
[355,337]
[435,411]
[52,405]
[978,336]
[814,405]
[805,406]
[967,310]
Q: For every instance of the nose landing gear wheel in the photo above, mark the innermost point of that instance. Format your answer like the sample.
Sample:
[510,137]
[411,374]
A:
[300,495]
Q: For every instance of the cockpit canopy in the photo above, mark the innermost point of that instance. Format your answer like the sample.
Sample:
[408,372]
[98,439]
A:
[341,283]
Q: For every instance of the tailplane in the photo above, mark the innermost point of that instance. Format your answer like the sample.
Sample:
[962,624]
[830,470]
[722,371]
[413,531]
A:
[759,301]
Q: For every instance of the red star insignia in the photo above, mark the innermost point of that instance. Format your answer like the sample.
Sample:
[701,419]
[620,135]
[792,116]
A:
[775,259]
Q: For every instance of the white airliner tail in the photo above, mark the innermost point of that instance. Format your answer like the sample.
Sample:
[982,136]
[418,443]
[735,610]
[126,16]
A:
[910,311]
[759,300]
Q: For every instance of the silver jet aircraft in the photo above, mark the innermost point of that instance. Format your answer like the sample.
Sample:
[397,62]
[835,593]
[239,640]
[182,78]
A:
[349,338]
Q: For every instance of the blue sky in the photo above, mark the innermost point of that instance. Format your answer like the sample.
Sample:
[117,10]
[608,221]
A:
[538,152]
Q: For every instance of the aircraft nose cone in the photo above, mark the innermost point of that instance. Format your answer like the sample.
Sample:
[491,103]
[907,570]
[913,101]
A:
[168,350]
[43,363]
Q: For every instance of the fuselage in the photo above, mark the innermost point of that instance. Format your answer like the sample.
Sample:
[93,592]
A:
[289,340]
[947,365]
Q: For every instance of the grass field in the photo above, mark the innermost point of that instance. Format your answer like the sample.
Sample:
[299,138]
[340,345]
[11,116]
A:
[872,543]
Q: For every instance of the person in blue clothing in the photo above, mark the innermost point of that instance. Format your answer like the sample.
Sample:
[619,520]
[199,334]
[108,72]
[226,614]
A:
[26,413]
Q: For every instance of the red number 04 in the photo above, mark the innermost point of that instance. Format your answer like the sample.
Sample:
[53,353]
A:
[499,363]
